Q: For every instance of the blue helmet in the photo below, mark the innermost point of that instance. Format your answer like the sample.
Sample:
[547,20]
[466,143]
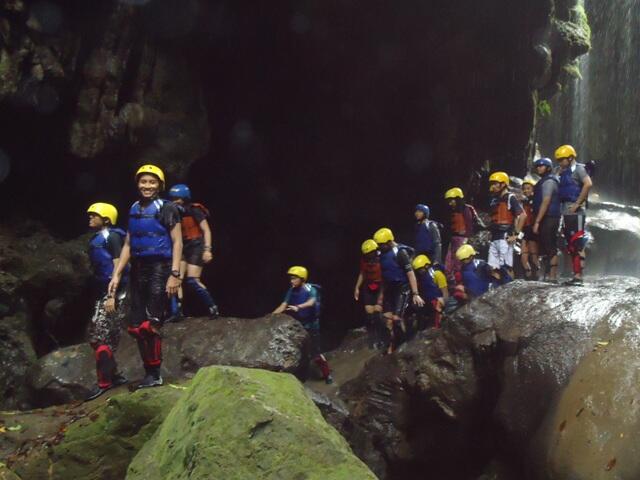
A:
[421,207]
[543,161]
[180,191]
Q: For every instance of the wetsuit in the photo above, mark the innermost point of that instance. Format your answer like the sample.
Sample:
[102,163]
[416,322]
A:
[395,264]
[571,181]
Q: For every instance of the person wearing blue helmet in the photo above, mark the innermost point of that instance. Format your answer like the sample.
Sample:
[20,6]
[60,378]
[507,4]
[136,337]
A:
[546,212]
[196,239]
[427,240]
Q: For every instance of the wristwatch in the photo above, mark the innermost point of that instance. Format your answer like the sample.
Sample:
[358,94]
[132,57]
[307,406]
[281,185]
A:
[175,273]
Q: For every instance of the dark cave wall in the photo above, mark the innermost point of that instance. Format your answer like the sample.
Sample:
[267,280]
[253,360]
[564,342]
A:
[306,125]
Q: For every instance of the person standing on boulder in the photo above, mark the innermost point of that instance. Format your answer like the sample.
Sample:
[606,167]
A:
[399,284]
[575,184]
[529,254]
[427,240]
[546,212]
[196,239]
[154,245]
[507,220]
[464,219]
[105,248]
[302,302]
[369,289]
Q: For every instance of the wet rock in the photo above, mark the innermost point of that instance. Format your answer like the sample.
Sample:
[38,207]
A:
[245,423]
[509,373]
[276,343]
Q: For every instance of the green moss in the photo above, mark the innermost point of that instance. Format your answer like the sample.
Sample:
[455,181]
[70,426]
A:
[580,18]
[237,423]
[543,108]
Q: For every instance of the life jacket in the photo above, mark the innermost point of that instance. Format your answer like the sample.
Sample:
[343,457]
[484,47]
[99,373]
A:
[475,277]
[424,239]
[99,256]
[554,205]
[147,236]
[501,217]
[570,188]
[427,285]
[371,272]
[462,221]
[527,205]
[302,294]
[392,272]
[190,228]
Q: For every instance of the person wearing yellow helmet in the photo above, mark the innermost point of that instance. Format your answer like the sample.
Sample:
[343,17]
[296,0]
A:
[575,184]
[433,288]
[464,220]
[399,284]
[302,302]
[476,276]
[105,247]
[507,220]
[154,246]
[369,289]
[529,252]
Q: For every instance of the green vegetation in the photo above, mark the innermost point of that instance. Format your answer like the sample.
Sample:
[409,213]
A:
[543,108]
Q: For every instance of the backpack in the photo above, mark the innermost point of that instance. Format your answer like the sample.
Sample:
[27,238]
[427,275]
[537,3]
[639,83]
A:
[318,304]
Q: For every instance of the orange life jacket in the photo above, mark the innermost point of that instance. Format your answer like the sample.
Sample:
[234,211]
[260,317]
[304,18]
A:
[458,224]
[371,271]
[500,213]
[527,205]
[190,228]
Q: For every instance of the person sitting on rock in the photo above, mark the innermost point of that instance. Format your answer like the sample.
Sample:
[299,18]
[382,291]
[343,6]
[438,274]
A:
[575,184]
[546,210]
[154,245]
[433,288]
[369,289]
[529,253]
[302,302]
[399,284]
[475,276]
[464,220]
[105,328]
[196,249]
[507,219]
[427,240]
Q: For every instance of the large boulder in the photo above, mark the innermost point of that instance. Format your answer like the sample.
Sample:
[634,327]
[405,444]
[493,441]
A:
[530,373]
[274,342]
[237,423]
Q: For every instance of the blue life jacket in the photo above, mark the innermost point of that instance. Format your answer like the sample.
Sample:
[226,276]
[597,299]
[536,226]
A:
[570,188]
[475,277]
[392,272]
[300,295]
[101,259]
[424,240]
[554,205]
[427,285]
[147,236]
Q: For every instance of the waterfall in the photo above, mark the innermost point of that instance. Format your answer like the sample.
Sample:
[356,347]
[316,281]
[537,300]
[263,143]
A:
[599,112]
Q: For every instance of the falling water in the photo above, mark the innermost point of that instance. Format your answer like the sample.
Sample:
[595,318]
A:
[599,112]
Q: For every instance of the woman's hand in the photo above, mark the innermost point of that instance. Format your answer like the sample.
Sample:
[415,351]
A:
[173,284]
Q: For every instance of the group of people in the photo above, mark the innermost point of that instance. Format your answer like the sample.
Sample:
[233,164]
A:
[404,288]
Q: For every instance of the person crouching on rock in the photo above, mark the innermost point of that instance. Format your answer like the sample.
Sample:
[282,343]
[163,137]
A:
[432,285]
[105,328]
[529,253]
[196,240]
[302,303]
[475,276]
[369,289]
[154,245]
[399,283]
[507,219]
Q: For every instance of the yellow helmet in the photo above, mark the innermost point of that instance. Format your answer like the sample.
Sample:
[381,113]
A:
[501,177]
[420,261]
[383,235]
[299,272]
[369,246]
[455,192]
[153,170]
[565,151]
[104,210]
[530,180]
[465,251]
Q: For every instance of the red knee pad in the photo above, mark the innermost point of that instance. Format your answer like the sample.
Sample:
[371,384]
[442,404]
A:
[153,351]
[143,330]
[103,349]
[577,264]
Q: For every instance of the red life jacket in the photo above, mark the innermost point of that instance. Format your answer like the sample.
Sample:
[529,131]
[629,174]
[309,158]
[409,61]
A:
[462,221]
[371,272]
[190,228]
[500,213]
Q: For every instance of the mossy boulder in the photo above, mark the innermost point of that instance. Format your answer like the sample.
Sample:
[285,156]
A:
[101,443]
[238,423]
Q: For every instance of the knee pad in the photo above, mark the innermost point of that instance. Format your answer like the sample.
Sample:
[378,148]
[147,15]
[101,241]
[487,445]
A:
[105,366]
[102,351]
[577,261]
[192,284]
[142,331]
